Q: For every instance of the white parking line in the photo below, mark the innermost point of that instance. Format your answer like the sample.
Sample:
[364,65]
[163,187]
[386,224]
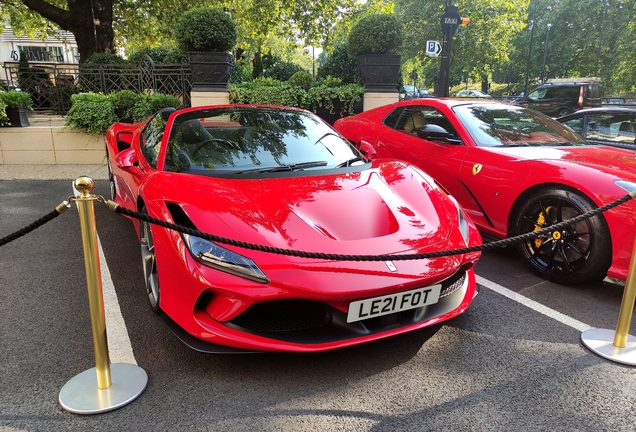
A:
[119,346]
[562,318]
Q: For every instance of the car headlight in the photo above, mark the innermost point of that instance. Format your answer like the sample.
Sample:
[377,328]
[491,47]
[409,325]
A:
[217,257]
[627,185]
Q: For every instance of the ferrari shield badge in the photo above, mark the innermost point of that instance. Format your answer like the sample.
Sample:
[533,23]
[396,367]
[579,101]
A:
[477,168]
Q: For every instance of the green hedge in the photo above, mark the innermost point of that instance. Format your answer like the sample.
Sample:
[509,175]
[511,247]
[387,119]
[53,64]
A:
[322,94]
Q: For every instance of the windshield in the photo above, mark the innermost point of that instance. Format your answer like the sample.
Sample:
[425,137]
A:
[495,125]
[239,140]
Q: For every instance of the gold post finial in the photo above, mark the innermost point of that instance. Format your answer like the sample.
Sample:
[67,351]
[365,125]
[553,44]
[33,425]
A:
[84,185]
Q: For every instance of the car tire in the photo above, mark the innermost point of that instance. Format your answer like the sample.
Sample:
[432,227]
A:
[576,254]
[149,265]
[563,112]
[111,180]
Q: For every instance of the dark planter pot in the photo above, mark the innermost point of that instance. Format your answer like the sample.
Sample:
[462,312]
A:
[210,70]
[18,117]
[330,118]
[379,72]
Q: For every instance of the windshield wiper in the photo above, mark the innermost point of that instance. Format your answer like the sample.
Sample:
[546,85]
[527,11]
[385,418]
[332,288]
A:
[279,168]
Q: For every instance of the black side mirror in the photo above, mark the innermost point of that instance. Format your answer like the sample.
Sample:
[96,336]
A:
[433,132]
[165,112]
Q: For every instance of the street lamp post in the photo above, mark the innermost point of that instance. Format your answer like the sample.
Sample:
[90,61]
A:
[545,54]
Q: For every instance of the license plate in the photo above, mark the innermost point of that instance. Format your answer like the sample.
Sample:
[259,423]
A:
[377,306]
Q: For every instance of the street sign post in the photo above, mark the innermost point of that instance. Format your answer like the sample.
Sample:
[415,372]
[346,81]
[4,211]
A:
[433,48]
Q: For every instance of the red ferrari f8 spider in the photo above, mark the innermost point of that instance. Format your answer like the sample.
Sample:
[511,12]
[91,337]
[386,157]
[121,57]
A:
[283,178]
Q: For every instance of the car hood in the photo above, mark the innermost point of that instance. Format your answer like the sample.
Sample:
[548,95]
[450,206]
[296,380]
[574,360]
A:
[389,208]
[607,159]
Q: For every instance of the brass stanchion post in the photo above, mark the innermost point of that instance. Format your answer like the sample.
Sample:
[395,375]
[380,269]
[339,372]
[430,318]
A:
[618,345]
[104,387]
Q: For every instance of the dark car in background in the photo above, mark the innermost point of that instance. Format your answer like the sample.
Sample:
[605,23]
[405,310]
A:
[409,92]
[613,126]
[559,98]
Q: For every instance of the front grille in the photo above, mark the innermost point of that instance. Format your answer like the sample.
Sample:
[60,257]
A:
[453,283]
[284,316]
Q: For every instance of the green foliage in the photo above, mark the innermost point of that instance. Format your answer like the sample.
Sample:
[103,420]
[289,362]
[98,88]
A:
[157,55]
[241,72]
[159,101]
[325,97]
[4,120]
[339,64]
[282,71]
[105,58]
[257,65]
[91,112]
[301,79]
[206,29]
[285,94]
[176,57]
[123,99]
[376,34]
[16,99]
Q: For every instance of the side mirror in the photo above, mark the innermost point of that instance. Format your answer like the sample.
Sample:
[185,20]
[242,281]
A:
[433,132]
[166,112]
[126,158]
[366,149]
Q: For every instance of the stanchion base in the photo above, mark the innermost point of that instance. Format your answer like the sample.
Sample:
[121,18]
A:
[81,395]
[601,341]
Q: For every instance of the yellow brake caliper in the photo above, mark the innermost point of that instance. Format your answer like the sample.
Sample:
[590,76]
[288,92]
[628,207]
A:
[540,221]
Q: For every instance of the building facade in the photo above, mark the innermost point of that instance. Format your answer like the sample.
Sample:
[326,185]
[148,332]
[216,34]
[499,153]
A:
[60,48]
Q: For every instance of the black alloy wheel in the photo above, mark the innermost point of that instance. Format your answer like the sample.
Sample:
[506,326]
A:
[578,253]
[149,264]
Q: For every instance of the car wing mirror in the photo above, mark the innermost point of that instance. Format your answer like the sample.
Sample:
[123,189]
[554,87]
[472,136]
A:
[367,149]
[126,158]
[166,112]
[433,132]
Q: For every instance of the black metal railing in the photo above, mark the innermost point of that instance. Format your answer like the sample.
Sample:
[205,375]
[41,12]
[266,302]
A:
[52,84]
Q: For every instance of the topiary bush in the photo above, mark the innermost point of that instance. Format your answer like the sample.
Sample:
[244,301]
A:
[339,64]
[375,34]
[91,112]
[206,29]
[282,71]
[301,79]
[17,99]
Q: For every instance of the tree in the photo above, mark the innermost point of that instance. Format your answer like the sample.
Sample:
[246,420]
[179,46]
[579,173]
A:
[91,22]
[141,24]
[478,48]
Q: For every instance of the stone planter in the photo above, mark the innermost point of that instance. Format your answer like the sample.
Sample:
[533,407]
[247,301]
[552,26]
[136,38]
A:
[210,70]
[18,117]
[379,72]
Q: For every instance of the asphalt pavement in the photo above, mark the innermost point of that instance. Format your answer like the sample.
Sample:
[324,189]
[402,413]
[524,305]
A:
[512,362]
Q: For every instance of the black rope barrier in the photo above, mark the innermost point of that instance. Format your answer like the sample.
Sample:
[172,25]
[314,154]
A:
[339,257]
[38,223]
